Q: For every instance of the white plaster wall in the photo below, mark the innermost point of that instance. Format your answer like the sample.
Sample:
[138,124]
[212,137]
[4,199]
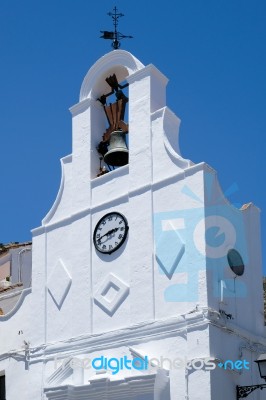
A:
[21,381]
[39,278]
[81,159]
[253,277]
[186,288]
[240,296]
[140,244]
[16,329]
[169,290]
[110,187]
[58,315]
[13,323]
[163,349]
[118,264]
[228,342]
[130,192]
[81,288]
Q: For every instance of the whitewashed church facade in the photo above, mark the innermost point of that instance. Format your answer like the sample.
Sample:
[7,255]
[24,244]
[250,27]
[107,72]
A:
[177,302]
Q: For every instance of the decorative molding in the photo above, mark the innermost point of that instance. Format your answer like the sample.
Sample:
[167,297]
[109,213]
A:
[59,283]
[81,106]
[140,333]
[105,204]
[113,283]
[149,70]
[62,373]
[5,258]
[19,303]
[171,124]
[190,170]
[136,354]
[104,64]
[51,213]
[103,388]
[116,173]
[169,250]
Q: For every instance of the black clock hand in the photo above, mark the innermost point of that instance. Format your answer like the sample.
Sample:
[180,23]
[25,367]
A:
[108,233]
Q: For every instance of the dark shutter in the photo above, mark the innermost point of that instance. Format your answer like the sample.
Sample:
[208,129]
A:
[2,387]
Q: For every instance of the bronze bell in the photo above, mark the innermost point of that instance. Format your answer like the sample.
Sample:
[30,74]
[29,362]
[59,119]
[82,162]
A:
[117,154]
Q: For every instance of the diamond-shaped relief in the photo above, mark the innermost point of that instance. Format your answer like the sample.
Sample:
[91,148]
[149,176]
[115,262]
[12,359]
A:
[169,251]
[59,283]
[111,294]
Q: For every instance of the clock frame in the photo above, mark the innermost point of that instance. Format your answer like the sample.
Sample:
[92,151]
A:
[112,228]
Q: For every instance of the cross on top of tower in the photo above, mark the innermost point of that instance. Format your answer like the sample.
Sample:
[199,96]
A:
[115,36]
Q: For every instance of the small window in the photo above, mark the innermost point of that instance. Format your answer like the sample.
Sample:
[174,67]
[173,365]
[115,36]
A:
[236,262]
[2,387]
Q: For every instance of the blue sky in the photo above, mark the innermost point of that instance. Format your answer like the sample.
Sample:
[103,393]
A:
[212,51]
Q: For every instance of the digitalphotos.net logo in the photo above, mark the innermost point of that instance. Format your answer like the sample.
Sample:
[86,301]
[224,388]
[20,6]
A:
[115,365]
[188,239]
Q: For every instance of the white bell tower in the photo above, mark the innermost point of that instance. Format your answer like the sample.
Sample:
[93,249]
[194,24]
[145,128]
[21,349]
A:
[181,282]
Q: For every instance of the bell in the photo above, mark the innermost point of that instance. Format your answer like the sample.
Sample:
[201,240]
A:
[117,154]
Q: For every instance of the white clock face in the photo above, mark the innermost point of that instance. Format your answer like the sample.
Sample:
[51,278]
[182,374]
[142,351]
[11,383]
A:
[110,232]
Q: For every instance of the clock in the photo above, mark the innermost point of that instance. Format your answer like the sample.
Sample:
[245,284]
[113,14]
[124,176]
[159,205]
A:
[110,232]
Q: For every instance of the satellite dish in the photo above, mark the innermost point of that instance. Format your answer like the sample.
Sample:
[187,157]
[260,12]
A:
[236,262]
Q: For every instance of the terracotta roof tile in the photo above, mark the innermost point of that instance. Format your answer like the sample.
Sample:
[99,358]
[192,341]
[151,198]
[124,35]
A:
[5,247]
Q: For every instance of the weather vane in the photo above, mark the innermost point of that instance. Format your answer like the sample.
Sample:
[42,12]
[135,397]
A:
[115,36]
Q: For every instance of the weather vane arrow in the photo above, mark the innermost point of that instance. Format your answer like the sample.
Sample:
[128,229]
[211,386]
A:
[115,36]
